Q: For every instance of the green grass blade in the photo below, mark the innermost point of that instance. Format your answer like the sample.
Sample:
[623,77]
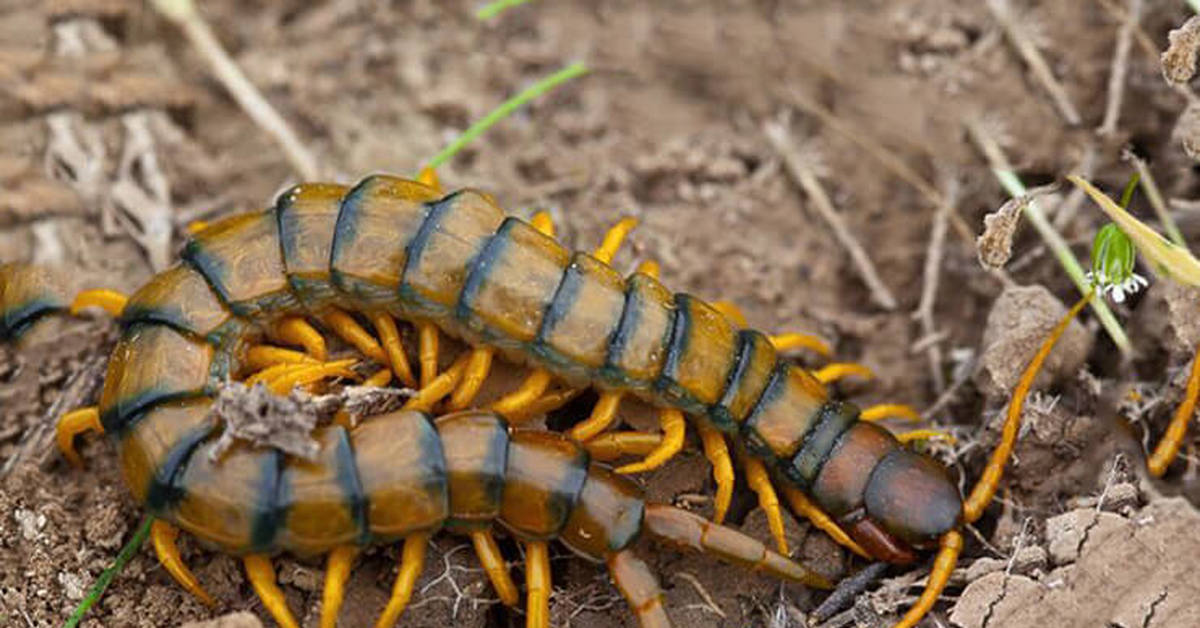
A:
[107,575]
[506,108]
[492,9]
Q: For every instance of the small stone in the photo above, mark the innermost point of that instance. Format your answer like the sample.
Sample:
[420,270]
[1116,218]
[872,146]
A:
[994,599]
[1067,532]
[241,619]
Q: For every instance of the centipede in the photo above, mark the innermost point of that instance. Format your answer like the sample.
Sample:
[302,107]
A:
[246,298]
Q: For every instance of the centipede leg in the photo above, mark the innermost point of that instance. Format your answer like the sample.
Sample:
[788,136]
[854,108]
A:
[73,424]
[337,571]
[793,341]
[943,565]
[495,567]
[890,411]
[717,452]
[731,312]
[427,350]
[261,573]
[294,330]
[519,400]
[684,528]
[385,326]
[760,483]
[349,330]
[380,379]
[1168,446]
[840,370]
[412,561]
[261,357]
[674,428]
[428,176]
[613,445]
[926,434]
[613,239]
[441,386]
[537,583]
[802,506]
[478,367]
[306,374]
[163,536]
[110,301]
[603,414]
[640,589]
[546,403]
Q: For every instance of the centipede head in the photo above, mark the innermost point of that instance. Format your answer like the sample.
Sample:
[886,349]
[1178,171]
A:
[909,502]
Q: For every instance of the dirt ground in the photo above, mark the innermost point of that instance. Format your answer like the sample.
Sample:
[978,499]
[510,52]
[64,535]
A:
[116,135]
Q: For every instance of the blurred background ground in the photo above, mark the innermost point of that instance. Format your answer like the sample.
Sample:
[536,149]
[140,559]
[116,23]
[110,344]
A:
[115,135]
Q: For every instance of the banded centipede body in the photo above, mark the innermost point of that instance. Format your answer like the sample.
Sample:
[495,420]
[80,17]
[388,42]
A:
[390,247]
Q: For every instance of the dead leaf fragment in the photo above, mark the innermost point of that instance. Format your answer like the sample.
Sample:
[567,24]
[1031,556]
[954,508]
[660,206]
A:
[1179,61]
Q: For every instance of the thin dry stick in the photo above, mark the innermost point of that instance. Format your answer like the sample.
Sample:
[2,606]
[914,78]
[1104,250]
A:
[1069,207]
[183,13]
[1120,68]
[36,443]
[1004,173]
[891,162]
[1002,11]
[1154,195]
[929,284]
[803,175]
[1145,42]
[708,599]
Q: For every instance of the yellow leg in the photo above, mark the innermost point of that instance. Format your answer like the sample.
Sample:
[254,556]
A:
[349,330]
[412,560]
[495,567]
[890,410]
[673,427]
[261,573]
[804,507]
[427,339]
[525,395]
[441,386]
[273,372]
[841,370]
[731,312]
[284,384]
[943,566]
[385,326]
[428,176]
[478,367]
[717,452]
[1171,441]
[337,571]
[163,536]
[110,301]
[546,403]
[264,356]
[543,222]
[380,379]
[603,414]
[793,341]
[537,581]
[613,239]
[912,435]
[294,330]
[613,445]
[196,226]
[760,483]
[73,424]
[985,488]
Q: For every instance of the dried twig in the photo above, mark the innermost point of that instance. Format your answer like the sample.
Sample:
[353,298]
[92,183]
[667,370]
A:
[141,191]
[708,599]
[1002,11]
[1120,68]
[802,174]
[1008,178]
[1069,207]
[929,283]
[1144,41]
[36,443]
[183,13]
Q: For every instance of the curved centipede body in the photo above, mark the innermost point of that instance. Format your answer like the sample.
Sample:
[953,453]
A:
[390,246]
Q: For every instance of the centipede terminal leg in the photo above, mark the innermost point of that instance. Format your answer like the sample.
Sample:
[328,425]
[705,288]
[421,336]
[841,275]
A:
[163,537]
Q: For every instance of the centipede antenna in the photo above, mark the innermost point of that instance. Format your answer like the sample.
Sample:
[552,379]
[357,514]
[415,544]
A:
[989,480]
[943,565]
[1172,440]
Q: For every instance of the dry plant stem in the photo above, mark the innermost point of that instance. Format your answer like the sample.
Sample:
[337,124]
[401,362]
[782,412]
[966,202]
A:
[1004,173]
[1145,42]
[891,162]
[803,175]
[1120,68]
[183,13]
[1154,195]
[929,285]
[1002,11]
[37,442]
[1069,207]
